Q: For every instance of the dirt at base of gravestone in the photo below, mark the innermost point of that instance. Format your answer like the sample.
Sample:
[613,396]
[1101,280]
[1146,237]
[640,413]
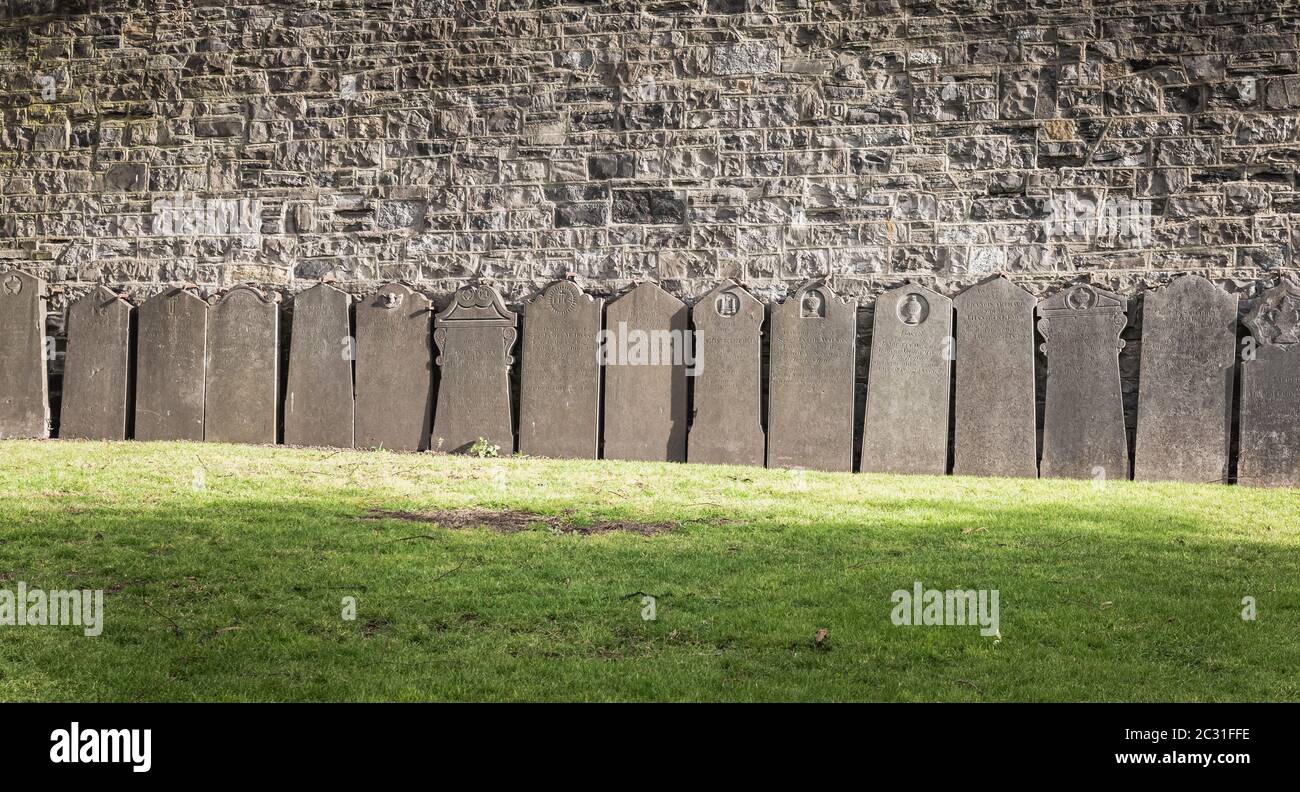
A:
[510,521]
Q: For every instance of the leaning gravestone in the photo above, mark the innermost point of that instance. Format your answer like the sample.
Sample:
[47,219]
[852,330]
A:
[24,389]
[559,400]
[1083,419]
[905,429]
[1269,455]
[810,380]
[1184,419]
[243,379]
[474,337]
[96,367]
[169,368]
[646,356]
[995,417]
[394,370]
[727,425]
[318,399]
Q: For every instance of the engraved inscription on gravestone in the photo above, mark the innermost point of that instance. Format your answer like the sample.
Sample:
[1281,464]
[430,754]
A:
[394,370]
[318,398]
[96,368]
[559,402]
[474,336]
[1269,454]
[726,426]
[24,389]
[1184,418]
[170,358]
[243,380]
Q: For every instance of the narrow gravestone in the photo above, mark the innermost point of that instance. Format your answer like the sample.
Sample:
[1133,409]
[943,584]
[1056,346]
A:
[1083,419]
[1269,455]
[559,400]
[905,429]
[994,431]
[727,421]
[243,379]
[24,388]
[170,357]
[394,370]
[96,367]
[318,405]
[474,337]
[1184,419]
[646,355]
[810,381]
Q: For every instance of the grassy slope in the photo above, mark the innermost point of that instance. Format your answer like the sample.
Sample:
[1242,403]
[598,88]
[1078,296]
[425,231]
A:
[1128,593]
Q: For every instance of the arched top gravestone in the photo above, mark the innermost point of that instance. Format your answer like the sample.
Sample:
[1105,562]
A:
[474,335]
[243,380]
[96,367]
[559,403]
[394,370]
[727,423]
[1269,452]
[318,401]
[170,366]
[24,389]
[645,376]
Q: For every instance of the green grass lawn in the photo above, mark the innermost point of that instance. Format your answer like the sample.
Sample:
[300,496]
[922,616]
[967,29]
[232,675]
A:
[225,570]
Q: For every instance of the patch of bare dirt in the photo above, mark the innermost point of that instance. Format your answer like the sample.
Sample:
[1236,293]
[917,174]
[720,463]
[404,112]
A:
[510,521]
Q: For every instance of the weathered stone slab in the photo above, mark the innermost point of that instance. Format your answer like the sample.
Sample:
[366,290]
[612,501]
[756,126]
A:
[995,432]
[24,388]
[1083,420]
[1269,452]
[646,353]
[905,429]
[318,405]
[394,369]
[810,381]
[97,367]
[559,402]
[727,421]
[243,376]
[474,336]
[1184,419]
[169,366]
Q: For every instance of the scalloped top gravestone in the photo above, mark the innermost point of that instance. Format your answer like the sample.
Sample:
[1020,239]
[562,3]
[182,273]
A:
[96,368]
[24,388]
[170,366]
[394,370]
[318,397]
[1184,418]
[1083,419]
[905,429]
[559,400]
[810,380]
[474,336]
[646,353]
[243,368]
[727,422]
[994,431]
[1269,454]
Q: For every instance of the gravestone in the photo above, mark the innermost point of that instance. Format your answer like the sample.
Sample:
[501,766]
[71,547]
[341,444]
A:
[474,336]
[727,421]
[559,400]
[1269,454]
[394,368]
[1184,418]
[96,367]
[243,378]
[1083,419]
[810,380]
[24,388]
[905,429]
[995,432]
[646,354]
[318,405]
[169,367]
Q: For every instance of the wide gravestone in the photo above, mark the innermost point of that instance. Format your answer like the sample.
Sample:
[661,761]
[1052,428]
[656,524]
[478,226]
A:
[645,356]
[474,337]
[559,402]
[243,384]
[905,429]
[1184,419]
[1269,455]
[318,405]
[727,422]
[994,428]
[96,368]
[169,369]
[24,389]
[810,380]
[394,370]
[1083,419]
